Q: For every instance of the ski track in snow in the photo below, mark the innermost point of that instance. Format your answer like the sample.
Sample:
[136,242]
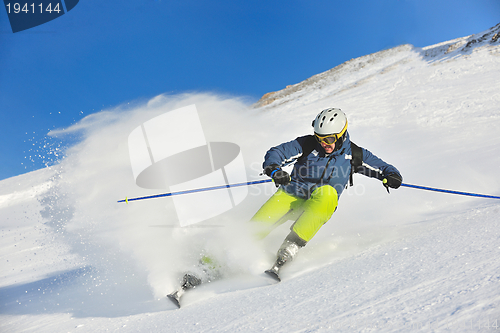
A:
[74,260]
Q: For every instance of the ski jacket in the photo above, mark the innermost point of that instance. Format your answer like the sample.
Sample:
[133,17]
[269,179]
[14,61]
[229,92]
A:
[318,168]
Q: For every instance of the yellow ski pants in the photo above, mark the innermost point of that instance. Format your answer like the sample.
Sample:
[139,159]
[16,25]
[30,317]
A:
[309,214]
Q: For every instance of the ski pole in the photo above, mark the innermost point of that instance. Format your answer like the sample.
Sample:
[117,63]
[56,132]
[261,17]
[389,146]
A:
[204,189]
[126,200]
[450,191]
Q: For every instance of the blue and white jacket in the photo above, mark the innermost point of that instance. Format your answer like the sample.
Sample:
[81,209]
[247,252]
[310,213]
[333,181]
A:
[335,167]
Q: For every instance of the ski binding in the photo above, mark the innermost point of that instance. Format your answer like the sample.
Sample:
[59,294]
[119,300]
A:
[189,281]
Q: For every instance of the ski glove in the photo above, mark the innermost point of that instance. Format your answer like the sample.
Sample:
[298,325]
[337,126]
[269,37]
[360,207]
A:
[279,176]
[392,180]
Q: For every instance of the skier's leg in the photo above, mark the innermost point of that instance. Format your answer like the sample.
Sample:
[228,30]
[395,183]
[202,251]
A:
[212,270]
[318,209]
[289,249]
[206,270]
[277,210]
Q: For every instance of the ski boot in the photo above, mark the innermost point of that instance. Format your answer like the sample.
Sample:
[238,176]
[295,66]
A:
[286,253]
[189,281]
[207,270]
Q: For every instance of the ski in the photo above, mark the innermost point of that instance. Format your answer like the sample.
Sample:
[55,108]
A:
[175,297]
[273,272]
[273,275]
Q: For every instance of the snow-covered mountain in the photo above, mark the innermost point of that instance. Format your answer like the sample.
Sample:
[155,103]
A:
[73,259]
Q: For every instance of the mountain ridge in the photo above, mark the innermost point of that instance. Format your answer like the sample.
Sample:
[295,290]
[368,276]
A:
[446,49]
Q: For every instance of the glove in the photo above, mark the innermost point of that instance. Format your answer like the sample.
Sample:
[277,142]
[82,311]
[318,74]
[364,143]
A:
[392,180]
[279,176]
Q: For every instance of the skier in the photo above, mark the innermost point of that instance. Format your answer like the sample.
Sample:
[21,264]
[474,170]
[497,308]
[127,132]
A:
[309,196]
[324,163]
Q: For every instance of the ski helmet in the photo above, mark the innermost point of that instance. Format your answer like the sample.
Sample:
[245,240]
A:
[330,121]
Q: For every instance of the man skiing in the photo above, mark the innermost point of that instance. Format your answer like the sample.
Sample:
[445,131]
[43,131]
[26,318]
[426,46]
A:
[324,163]
[309,196]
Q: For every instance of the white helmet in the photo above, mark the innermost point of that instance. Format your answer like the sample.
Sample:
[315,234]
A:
[330,121]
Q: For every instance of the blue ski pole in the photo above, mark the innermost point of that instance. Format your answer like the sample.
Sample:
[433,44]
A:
[196,190]
[450,191]
[126,200]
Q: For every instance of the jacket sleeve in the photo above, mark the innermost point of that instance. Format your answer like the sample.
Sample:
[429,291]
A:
[284,154]
[375,167]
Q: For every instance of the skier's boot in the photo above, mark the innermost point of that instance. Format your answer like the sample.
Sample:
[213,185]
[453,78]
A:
[206,271]
[190,281]
[287,252]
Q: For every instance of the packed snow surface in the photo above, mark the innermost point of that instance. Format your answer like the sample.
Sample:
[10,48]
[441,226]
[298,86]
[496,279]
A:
[75,260]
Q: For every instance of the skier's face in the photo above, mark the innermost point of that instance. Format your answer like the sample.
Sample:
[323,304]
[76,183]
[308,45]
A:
[328,148]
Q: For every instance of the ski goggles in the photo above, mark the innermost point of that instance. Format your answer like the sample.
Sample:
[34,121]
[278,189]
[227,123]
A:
[331,138]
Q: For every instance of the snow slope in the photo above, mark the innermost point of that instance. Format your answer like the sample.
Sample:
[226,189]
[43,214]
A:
[74,260]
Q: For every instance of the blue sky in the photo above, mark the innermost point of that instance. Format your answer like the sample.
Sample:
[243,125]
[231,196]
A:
[105,53]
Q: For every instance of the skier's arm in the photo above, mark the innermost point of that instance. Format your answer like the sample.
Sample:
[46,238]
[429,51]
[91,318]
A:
[279,156]
[375,167]
[283,154]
